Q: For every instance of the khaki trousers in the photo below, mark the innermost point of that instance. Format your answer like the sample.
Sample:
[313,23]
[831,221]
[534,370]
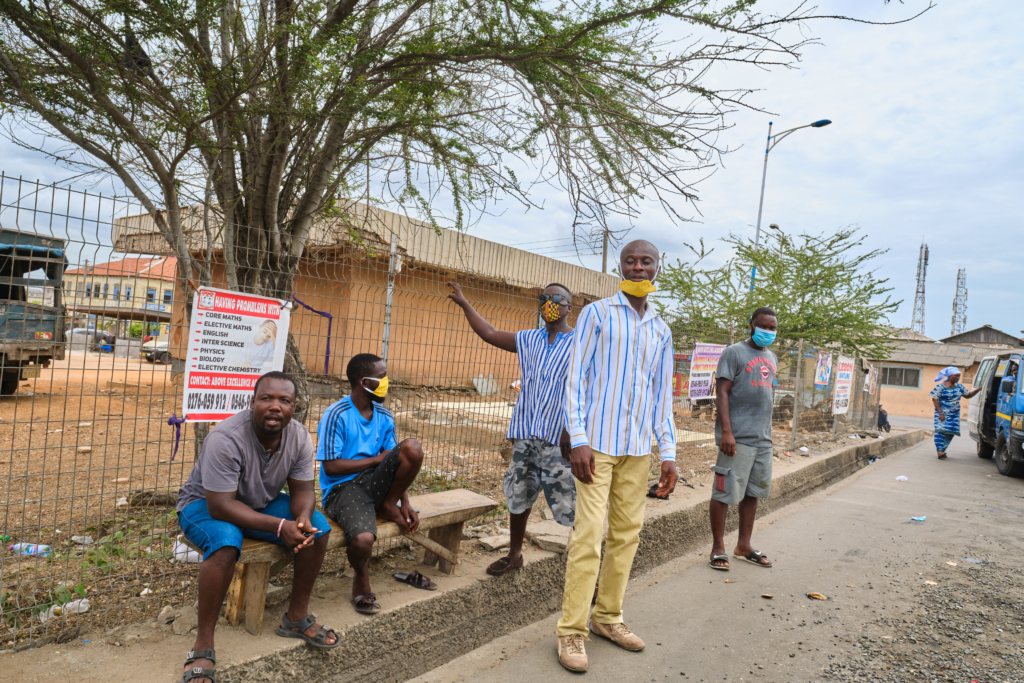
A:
[620,483]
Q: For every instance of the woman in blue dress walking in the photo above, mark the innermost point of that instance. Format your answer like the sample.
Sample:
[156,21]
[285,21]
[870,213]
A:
[946,398]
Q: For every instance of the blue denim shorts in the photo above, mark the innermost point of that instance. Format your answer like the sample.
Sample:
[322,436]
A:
[210,535]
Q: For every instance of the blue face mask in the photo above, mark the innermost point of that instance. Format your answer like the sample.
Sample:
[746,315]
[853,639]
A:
[763,338]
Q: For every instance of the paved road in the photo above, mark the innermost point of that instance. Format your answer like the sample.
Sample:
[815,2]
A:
[855,543]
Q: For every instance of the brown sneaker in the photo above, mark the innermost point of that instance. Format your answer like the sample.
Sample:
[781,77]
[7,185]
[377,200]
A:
[618,634]
[571,653]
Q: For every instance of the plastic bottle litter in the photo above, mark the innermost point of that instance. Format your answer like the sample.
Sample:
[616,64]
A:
[73,607]
[31,549]
[901,478]
[919,519]
[182,553]
[83,540]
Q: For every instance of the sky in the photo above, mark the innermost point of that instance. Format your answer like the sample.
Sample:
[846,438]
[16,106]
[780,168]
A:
[925,145]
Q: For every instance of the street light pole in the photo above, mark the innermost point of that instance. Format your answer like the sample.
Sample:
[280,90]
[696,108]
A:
[769,146]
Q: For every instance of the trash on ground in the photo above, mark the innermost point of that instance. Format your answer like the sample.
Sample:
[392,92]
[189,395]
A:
[804,449]
[931,583]
[951,564]
[768,596]
[485,386]
[901,478]
[872,460]
[83,540]
[182,553]
[974,560]
[73,607]
[919,519]
[788,454]
[145,592]
[32,549]
[816,596]
[730,580]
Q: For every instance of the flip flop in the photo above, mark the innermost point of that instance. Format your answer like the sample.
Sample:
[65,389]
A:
[366,604]
[416,580]
[319,641]
[719,557]
[755,557]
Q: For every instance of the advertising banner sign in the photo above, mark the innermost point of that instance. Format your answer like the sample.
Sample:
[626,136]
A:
[844,386]
[233,339]
[702,369]
[823,369]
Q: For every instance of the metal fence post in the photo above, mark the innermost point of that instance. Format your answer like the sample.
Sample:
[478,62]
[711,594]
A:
[796,393]
[392,262]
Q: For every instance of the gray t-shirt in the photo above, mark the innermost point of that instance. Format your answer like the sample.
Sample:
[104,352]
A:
[752,372]
[233,459]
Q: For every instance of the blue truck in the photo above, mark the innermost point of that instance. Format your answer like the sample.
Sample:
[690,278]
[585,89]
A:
[31,310]
[995,415]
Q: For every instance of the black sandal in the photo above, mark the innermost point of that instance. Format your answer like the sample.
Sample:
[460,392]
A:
[318,641]
[366,604]
[719,557]
[416,580]
[755,557]
[199,672]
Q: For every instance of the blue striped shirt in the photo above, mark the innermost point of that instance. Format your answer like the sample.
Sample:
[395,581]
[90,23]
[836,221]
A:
[540,408]
[620,380]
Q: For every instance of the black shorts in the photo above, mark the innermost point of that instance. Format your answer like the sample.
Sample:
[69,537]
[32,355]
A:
[353,504]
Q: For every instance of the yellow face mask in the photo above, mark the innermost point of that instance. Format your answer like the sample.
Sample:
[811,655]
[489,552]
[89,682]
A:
[642,288]
[382,387]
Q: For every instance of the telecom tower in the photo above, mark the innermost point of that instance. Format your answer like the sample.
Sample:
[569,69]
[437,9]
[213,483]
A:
[960,303]
[922,268]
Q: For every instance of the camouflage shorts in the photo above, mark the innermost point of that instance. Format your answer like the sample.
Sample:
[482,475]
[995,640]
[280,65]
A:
[537,465]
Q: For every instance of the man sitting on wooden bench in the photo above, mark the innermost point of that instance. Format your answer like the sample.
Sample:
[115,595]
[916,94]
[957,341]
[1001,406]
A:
[234,492]
[365,472]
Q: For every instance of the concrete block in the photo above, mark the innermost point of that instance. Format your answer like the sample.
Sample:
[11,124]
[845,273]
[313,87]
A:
[549,535]
[277,594]
[496,542]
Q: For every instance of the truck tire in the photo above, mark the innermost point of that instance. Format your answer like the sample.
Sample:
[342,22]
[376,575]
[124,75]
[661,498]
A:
[985,450]
[9,383]
[1004,461]
[165,358]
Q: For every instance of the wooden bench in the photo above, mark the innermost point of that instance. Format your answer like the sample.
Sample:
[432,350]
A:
[442,516]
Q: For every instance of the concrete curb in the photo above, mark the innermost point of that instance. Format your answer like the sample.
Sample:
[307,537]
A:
[416,638]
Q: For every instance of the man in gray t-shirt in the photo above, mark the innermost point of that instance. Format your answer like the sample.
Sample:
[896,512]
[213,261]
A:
[744,385]
[235,492]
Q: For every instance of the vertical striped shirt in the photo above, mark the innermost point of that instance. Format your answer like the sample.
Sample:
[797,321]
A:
[543,367]
[620,380]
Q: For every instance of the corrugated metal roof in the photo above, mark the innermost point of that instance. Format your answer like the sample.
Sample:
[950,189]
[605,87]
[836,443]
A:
[931,353]
[417,241]
[158,268]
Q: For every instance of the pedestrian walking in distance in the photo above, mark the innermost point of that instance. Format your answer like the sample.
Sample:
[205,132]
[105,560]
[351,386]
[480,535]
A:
[946,398]
[540,441]
[744,383]
[619,396]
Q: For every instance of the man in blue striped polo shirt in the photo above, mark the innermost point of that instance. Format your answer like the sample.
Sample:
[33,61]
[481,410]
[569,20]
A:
[538,419]
[619,394]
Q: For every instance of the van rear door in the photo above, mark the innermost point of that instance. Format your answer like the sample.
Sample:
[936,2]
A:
[975,404]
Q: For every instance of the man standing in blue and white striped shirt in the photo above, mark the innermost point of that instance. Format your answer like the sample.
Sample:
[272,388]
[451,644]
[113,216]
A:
[619,395]
[538,419]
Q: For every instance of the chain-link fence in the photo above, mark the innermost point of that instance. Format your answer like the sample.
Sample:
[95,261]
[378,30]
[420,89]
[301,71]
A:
[94,311]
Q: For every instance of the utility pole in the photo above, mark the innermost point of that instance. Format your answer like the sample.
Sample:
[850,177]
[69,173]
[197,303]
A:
[604,253]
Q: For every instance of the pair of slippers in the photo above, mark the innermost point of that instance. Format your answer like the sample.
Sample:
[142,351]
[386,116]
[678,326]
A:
[753,557]
[367,604]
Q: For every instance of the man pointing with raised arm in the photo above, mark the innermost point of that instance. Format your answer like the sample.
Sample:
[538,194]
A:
[619,396]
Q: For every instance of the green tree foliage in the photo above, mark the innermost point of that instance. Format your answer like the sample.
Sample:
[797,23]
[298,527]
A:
[823,288]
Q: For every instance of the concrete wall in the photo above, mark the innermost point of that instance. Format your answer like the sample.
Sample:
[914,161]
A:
[911,402]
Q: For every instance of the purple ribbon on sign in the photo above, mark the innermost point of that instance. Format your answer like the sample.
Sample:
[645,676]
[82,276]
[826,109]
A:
[330,321]
[176,422]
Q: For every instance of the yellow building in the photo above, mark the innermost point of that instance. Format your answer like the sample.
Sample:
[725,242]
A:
[131,289]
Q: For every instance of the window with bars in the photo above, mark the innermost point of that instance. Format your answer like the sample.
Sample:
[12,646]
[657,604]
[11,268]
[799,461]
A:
[904,378]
